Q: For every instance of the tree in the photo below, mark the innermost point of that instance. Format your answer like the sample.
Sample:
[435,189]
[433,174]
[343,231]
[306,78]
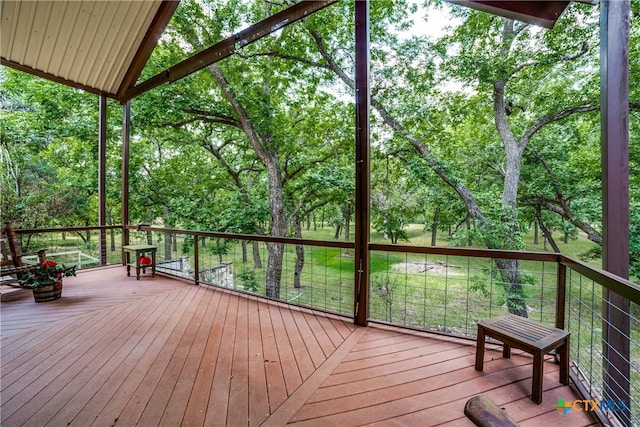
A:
[277,113]
[48,152]
[496,56]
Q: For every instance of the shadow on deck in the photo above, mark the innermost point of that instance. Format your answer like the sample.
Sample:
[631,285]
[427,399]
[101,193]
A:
[114,351]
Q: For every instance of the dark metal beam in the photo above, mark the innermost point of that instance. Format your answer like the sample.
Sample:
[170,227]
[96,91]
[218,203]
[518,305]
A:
[102,178]
[542,13]
[227,47]
[614,89]
[149,42]
[361,256]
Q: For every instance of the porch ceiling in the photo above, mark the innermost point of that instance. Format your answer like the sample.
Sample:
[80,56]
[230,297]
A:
[98,46]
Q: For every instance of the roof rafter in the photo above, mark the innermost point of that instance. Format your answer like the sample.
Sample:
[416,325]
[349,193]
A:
[227,47]
[157,27]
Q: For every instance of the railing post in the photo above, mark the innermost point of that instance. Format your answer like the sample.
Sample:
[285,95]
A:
[561,296]
[361,255]
[196,260]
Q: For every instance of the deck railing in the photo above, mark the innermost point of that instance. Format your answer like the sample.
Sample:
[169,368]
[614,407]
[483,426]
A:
[442,290]
[85,247]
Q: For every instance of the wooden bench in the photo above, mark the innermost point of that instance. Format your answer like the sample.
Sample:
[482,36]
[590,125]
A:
[11,264]
[529,336]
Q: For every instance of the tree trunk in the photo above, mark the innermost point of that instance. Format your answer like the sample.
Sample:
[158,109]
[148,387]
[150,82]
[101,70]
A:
[347,225]
[536,231]
[267,153]
[257,261]
[434,226]
[168,237]
[513,150]
[244,251]
[548,236]
[220,252]
[509,270]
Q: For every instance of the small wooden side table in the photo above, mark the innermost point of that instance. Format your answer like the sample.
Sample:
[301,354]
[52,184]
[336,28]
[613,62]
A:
[140,250]
[530,336]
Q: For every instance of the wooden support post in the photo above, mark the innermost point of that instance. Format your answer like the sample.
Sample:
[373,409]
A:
[126,135]
[614,89]
[361,256]
[102,178]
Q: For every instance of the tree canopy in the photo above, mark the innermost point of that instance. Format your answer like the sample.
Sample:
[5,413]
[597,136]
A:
[479,130]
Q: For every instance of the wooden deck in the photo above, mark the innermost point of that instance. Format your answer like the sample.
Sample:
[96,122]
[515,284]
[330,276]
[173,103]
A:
[114,351]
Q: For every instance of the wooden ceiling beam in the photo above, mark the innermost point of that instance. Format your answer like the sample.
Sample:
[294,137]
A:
[542,13]
[149,42]
[228,46]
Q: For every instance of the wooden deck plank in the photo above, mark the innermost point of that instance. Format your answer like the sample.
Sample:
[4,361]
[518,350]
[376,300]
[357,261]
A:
[138,401]
[216,411]
[399,400]
[184,384]
[368,381]
[509,396]
[258,388]
[288,409]
[300,351]
[386,364]
[323,339]
[74,361]
[163,352]
[333,334]
[126,376]
[239,382]
[345,329]
[201,390]
[28,354]
[95,391]
[290,371]
[277,390]
[159,336]
[310,342]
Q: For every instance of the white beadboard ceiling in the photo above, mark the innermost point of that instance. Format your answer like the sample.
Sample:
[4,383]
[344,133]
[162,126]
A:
[90,43]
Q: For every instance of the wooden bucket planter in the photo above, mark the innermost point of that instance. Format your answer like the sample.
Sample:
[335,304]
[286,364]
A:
[48,292]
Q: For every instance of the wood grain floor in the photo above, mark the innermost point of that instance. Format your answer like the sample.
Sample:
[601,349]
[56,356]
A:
[114,351]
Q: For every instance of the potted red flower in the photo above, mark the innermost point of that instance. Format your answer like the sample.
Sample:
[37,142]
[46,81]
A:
[46,280]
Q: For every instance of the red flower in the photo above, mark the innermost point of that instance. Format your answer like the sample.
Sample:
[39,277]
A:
[49,263]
